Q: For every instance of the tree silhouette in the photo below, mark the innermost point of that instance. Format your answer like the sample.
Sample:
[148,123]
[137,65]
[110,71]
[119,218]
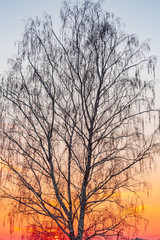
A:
[44,232]
[74,110]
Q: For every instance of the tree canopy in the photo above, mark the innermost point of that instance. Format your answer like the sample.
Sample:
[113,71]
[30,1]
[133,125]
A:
[74,109]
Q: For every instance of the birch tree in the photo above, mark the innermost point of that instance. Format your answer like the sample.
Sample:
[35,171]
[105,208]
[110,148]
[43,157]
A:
[74,109]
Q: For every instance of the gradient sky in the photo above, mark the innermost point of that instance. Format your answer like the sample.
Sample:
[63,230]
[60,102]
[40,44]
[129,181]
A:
[141,17]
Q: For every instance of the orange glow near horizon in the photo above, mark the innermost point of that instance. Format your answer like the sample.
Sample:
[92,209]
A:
[152,209]
[151,212]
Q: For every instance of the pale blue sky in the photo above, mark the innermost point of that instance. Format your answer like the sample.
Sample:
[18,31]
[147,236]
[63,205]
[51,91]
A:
[139,16]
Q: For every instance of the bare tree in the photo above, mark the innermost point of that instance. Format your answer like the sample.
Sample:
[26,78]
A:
[44,232]
[74,111]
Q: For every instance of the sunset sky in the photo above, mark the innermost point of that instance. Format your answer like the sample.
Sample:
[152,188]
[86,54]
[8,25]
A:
[141,17]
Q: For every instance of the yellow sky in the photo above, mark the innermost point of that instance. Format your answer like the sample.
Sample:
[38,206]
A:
[152,207]
[151,212]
